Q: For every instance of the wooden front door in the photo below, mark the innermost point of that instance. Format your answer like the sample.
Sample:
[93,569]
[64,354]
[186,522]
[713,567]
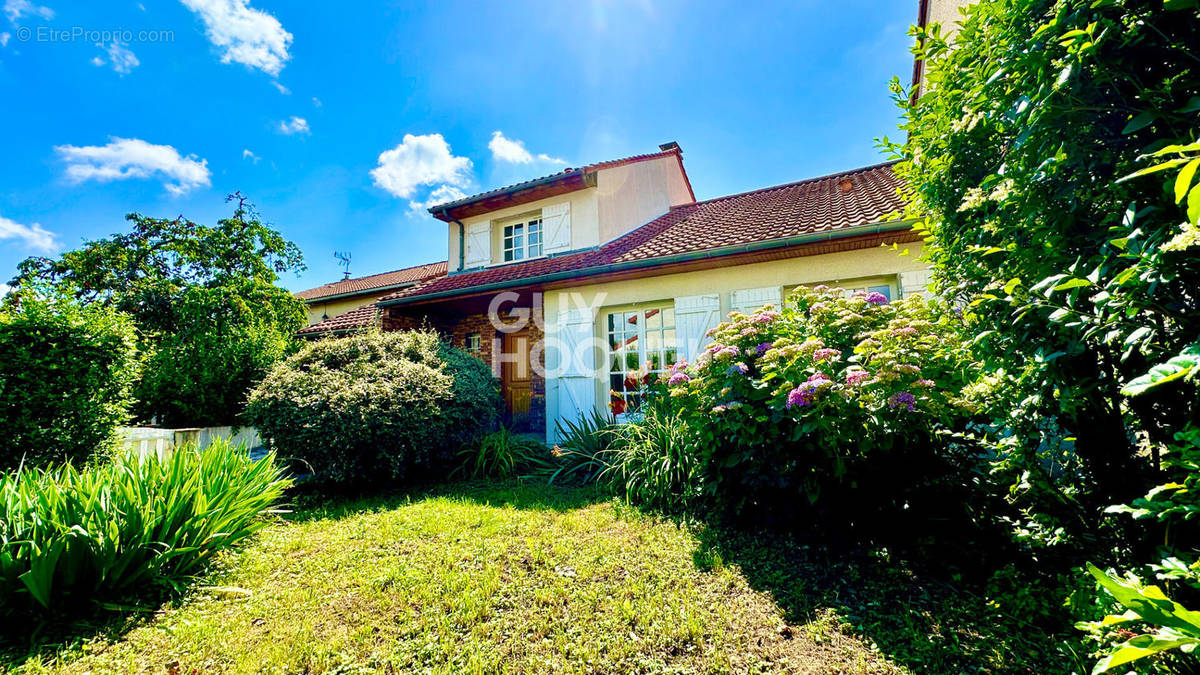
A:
[515,375]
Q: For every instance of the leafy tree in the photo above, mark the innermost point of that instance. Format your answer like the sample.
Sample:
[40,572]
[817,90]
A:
[1076,280]
[205,299]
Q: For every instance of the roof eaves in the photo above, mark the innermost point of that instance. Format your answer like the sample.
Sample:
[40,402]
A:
[782,242]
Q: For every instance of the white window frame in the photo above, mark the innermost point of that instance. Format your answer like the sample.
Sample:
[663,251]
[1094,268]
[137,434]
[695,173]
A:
[474,343]
[516,239]
[665,348]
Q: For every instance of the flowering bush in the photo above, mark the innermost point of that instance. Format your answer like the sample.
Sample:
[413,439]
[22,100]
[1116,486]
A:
[835,390]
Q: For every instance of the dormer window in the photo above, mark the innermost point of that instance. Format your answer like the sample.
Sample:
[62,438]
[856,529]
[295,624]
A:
[523,240]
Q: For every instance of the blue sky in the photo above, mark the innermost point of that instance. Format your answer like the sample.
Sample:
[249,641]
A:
[339,120]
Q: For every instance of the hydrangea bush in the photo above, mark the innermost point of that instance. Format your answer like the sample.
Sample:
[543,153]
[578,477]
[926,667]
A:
[835,390]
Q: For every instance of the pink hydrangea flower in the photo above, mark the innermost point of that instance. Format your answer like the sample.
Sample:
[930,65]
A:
[907,330]
[857,377]
[923,383]
[765,317]
[678,378]
[876,298]
[826,354]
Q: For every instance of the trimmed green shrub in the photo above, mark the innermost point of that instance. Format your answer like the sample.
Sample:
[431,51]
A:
[75,540]
[65,377]
[375,407]
[834,402]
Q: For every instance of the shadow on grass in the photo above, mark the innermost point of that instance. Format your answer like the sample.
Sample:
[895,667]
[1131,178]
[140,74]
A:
[925,624]
[526,494]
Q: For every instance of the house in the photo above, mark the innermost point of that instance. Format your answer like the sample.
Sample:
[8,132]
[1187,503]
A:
[568,283]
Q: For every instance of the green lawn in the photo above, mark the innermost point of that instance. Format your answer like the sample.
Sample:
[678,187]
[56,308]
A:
[523,579]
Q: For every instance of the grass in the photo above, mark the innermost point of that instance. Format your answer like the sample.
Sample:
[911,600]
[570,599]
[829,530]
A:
[473,579]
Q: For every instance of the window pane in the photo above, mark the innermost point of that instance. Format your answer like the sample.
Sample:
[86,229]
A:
[616,382]
[653,319]
[669,337]
[885,290]
[613,319]
[508,230]
[669,356]
[631,360]
[518,254]
[508,255]
[534,249]
[668,317]
[653,340]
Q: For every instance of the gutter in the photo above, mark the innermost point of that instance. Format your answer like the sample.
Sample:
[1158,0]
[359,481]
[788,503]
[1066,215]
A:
[441,209]
[691,256]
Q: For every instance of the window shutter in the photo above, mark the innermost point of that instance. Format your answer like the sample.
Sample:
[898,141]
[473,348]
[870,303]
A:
[556,224]
[750,300]
[694,317]
[913,283]
[575,381]
[479,244]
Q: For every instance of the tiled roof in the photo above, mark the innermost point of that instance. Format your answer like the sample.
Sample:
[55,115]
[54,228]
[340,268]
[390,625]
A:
[407,275]
[362,317]
[565,173]
[809,206]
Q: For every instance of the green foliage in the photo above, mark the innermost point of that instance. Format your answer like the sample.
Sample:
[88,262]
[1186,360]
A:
[1175,627]
[226,340]
[503,454]
[582,451]
[836,392]
[653,461]
[1026,162]
[76,540]
[204,298]
[376,406]
[65,378]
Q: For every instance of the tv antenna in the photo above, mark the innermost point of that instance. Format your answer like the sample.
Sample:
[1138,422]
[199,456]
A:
[343,262]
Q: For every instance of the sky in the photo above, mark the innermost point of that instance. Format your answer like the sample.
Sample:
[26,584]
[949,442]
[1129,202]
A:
[342,122]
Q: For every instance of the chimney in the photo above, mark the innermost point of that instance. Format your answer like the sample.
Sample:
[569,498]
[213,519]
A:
[670,145]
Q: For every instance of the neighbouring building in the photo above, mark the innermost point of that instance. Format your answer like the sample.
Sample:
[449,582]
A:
[349,304]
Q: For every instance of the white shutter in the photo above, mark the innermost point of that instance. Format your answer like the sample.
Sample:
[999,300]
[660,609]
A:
[914,283]
[556,227]
[479,244]
[694,317]
[576,383]
[750,300]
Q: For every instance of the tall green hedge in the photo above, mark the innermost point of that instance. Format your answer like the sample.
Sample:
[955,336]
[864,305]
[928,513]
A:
[65,377]
[374,407]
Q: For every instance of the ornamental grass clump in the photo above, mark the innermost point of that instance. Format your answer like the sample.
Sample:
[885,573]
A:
[76,540]
[834,402]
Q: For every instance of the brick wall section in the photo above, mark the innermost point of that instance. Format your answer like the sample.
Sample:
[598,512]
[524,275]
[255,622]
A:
[457,330]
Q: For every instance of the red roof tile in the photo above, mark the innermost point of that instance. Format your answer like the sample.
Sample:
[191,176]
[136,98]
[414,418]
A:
[805,207]
[362,317]
[373,282]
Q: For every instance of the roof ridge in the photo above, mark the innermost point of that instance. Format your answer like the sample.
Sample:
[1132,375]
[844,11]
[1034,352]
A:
[794,183]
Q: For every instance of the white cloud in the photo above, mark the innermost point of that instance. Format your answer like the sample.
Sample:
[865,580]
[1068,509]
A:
[245,35]
[246,154]
[120,57]
[4,38]
[33,236]
[15,9]
[513,151]
[420,160]
[282,89]
[125,158]
[316,101]
[4,290]
[296,125]
[440,195]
